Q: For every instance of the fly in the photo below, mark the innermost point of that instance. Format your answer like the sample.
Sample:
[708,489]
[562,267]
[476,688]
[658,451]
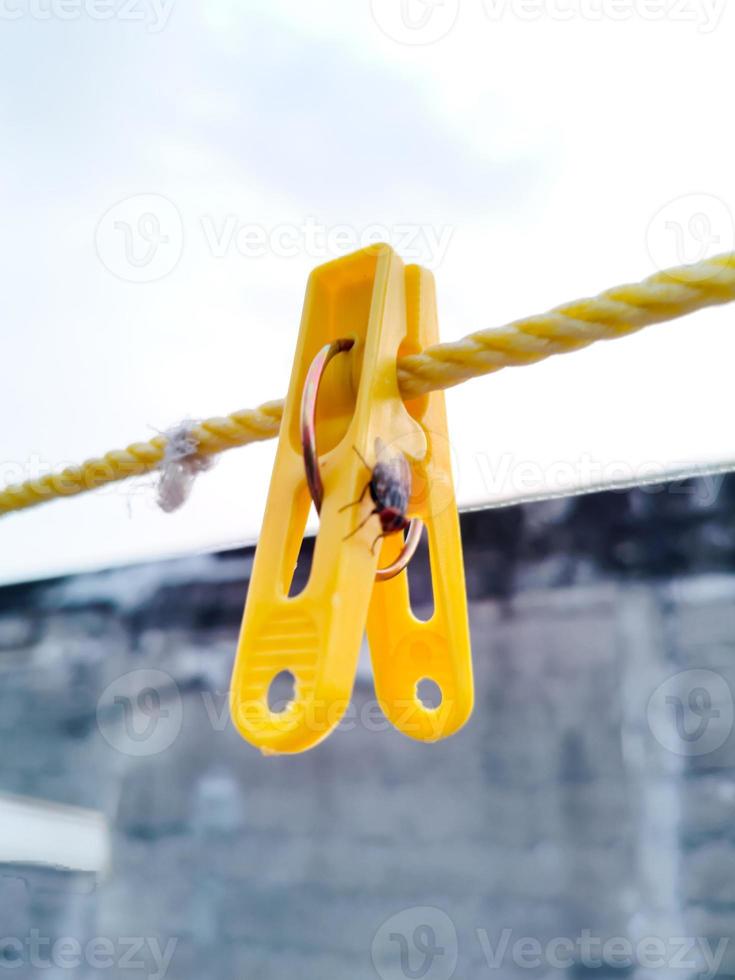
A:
[390,491]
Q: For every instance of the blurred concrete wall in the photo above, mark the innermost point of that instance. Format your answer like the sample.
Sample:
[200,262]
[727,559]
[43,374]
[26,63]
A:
[589,801]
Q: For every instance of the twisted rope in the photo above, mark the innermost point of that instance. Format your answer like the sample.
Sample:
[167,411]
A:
[615,313]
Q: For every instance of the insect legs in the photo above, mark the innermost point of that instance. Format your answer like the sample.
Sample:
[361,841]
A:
[359,499]
[362,458]
[362,523]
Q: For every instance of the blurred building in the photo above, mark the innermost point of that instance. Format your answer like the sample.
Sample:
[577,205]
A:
[592,794]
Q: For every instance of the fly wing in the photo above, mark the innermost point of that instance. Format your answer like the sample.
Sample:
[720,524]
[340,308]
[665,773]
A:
[381,450]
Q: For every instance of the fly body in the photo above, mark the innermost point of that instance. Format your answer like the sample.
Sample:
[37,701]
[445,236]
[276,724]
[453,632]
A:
[390,491]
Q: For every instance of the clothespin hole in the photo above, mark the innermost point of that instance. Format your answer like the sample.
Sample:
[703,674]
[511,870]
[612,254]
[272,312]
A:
[302,569]
[420,585]
[429,693]
[281,691]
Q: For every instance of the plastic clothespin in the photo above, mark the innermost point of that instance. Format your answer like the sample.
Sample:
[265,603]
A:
[384,308]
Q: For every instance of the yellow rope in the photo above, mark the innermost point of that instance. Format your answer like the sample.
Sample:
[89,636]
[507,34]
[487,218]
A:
[614,313]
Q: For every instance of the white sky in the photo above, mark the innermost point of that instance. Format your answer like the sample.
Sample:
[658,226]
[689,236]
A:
[550,148]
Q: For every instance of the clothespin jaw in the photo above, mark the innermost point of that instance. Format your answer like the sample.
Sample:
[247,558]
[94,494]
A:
[316,635]
[405,650]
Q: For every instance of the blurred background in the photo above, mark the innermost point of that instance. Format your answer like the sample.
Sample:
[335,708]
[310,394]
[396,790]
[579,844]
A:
[171,172]
[580,825]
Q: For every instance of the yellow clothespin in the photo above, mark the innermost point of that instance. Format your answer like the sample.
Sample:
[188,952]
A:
[366,308]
